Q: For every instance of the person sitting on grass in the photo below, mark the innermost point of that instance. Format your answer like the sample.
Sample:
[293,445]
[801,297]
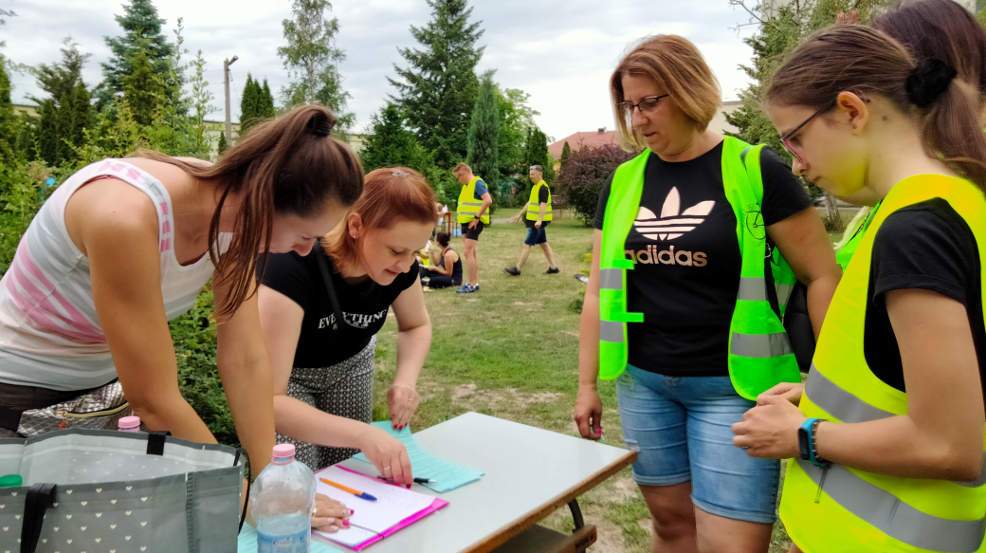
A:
[447,267]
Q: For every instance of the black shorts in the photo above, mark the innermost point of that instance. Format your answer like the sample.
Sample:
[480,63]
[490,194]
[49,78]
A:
[472,234]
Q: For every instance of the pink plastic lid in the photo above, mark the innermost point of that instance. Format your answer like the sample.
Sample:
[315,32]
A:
[128,423]
[283,453]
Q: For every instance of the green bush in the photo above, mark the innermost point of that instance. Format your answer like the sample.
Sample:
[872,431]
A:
[194,335]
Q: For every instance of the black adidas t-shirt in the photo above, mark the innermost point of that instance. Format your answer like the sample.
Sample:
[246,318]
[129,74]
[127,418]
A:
[364,306]
[926,246]
[687,260]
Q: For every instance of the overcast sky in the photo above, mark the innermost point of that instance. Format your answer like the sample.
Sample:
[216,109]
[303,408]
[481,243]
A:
[561,52]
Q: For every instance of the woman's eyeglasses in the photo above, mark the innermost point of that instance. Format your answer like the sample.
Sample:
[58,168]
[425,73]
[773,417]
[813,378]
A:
[789,137]
[646,104]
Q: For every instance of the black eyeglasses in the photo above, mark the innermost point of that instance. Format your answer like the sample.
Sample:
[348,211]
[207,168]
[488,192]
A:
[646,104]
[788,136]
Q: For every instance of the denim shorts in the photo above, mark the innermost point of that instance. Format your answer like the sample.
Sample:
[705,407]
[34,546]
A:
[535,236]
[680,428]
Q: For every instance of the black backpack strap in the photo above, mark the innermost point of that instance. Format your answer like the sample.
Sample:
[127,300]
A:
[40,497]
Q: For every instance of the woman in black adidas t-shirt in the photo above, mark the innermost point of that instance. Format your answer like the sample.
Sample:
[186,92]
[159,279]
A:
[320,314]
[676,399]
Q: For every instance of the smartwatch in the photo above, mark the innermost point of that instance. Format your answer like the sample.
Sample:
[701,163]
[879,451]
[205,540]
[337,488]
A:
[806,443]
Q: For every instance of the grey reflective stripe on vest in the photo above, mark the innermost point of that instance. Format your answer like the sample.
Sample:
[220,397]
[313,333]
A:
[838,402]
[759,345]
[610,331]
[783,292]
[752,289]
[471,203]
[849,408]
[894,517]
[611,279]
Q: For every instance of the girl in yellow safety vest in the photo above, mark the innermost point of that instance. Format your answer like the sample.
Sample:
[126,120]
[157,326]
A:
[887,446]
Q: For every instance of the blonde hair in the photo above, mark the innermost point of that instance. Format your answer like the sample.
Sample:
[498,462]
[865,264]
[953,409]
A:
[676,64]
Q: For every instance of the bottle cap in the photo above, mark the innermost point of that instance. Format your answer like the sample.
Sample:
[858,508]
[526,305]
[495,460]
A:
[282,452]
[131,423]
[11,481]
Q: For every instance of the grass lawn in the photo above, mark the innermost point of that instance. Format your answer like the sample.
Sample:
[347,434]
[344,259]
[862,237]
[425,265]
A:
[511,350]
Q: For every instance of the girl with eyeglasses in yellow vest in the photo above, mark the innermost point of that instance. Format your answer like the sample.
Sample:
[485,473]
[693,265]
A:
[681,306]
[887,441]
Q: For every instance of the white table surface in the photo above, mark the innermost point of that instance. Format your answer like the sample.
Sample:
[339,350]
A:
[530,472]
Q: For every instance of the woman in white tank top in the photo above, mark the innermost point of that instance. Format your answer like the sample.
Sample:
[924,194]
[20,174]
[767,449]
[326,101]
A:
[125,245]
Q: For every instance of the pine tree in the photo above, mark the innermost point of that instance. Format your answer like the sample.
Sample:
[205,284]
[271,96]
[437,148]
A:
[391,143]
[566,152]
[143,88]
[483,140]
[249,104]
[221,147]
[65,112]
[437,88]
[142,30]
[311,59]
[267,108]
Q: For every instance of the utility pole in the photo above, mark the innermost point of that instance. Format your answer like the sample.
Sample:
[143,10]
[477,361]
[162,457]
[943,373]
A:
[229,126]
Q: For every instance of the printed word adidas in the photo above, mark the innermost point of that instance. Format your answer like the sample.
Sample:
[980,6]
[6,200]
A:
[673,223]
[652,256]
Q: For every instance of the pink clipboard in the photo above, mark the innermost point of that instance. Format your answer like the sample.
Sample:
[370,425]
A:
[437,504]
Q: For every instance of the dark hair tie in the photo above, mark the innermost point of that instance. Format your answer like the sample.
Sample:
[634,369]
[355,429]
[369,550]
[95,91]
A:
[926,82]
[319,125]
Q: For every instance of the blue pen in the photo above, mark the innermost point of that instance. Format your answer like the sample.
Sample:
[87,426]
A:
[357,493]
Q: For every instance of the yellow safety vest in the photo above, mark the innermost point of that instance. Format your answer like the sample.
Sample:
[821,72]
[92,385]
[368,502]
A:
[760,354]
[468,205]
[842,509]
[534,206]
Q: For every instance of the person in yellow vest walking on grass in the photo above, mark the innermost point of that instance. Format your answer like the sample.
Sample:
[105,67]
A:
[537,216]
[473,214]
[887,440]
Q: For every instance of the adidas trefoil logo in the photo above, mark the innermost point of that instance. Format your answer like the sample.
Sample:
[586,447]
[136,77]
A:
[673,222]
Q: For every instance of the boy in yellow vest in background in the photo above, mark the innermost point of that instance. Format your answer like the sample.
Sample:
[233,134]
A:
[538,216]
[473,214]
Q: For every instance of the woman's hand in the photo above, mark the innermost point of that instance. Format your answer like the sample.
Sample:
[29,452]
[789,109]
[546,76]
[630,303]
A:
[790,391]
[588,413]
[516,218]
[402,401]
[388,455]
[770,429]
[329,515]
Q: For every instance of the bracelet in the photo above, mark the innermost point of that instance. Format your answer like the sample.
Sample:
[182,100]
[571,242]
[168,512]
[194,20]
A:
[808,447]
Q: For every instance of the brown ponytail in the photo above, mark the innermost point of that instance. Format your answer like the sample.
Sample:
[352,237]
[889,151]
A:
[288,166]
[869,62]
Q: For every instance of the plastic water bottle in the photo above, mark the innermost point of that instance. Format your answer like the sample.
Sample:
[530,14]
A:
[128,424]
[281,501]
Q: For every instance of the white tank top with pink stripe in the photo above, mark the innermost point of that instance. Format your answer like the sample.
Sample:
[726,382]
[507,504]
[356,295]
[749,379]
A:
[50,335]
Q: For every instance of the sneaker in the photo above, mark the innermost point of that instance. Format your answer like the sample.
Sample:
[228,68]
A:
[472,288]
[552,270]
[464,289]
[512,271]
